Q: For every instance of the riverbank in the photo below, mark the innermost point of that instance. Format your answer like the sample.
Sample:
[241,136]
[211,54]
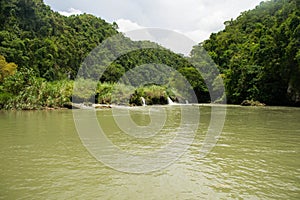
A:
[24,91]
[78,106]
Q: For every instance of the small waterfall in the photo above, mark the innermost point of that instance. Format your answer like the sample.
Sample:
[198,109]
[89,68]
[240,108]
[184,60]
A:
[143,101]
[186,102]
[170,102]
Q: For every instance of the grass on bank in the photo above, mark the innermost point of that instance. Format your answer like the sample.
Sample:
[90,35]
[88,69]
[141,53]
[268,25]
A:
[24,91]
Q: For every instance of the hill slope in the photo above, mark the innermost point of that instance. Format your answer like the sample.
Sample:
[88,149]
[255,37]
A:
[34,36]
[47,47]
[259,55]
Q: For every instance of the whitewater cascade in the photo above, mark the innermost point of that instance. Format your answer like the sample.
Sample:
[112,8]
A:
[170,102]
[143,101]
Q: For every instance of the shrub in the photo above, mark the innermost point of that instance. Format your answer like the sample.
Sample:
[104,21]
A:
[25,91]
[153,94]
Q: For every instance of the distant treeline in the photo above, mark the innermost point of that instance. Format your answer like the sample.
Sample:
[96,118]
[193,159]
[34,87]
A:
[257,55]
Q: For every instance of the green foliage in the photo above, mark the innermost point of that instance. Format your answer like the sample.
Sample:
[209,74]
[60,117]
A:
[147,65]
[153,94]
[24,91]
[121,94]
[34,36]
[4,98]
[258,54]
[197,83]
[6,69]
[54,46]
[84,90]
[57,93]
[104,93]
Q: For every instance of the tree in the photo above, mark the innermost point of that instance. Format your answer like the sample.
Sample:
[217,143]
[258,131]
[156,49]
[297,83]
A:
[258,54]
[6,69]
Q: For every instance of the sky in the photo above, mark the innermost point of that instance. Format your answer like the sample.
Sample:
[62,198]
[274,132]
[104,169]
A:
[196,19]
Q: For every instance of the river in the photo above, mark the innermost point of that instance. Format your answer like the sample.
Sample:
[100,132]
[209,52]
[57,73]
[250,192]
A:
[256,157]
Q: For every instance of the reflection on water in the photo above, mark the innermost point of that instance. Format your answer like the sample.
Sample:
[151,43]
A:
[257,157]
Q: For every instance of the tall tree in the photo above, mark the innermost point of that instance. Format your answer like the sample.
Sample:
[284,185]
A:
[258,54]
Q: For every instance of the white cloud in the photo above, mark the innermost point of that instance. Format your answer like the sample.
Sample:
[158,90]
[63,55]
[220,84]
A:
[196,18]
[126,25]
[71,11]
[197,35]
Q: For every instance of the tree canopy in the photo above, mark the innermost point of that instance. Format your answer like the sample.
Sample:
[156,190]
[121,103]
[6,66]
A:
[34,36]
[258,54]
[54,47]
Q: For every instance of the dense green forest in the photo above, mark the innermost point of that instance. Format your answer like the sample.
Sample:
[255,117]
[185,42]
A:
[33,36]
[258,54]
[41,52]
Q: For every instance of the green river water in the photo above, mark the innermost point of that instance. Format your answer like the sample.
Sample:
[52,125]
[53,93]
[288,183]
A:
[257,157]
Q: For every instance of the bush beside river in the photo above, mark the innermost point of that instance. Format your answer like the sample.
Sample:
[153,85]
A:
[24,91]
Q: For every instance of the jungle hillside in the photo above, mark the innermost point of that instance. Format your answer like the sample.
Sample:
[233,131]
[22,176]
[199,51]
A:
[41,51]
[258,54]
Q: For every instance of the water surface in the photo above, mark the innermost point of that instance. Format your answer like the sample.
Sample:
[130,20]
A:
[256,157]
